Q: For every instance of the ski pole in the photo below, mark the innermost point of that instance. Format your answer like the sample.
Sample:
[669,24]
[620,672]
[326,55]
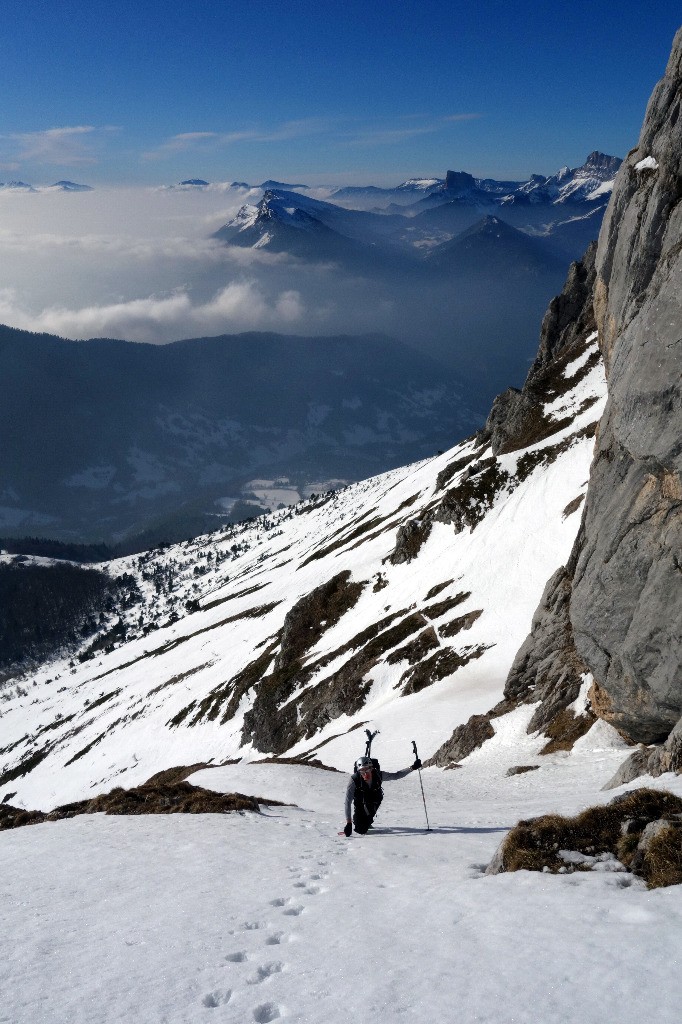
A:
[416,757]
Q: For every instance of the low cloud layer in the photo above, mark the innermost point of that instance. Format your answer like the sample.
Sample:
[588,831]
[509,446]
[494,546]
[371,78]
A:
[137,264]
[240,306]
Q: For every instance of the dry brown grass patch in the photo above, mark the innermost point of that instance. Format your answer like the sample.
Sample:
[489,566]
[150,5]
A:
[614,828]
[158,798]
[663,860]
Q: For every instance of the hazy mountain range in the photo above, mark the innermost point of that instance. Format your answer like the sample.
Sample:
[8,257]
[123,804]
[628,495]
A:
[58,186]
[107,439]
[561,212]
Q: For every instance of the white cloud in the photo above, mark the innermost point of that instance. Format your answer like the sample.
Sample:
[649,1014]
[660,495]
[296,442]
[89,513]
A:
[140,264]
[185,141]
[70,145]
[390,135]
[239,306]
[189,250]
[288,130]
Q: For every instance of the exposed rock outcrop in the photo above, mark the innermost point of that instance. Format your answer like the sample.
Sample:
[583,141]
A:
[626,605]
[654,760]
[548,669]
[464,740]
[409,540]
[516,418]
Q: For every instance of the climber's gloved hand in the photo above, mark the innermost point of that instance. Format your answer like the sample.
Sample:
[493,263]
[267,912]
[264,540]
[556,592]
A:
[348,829]
[417,764]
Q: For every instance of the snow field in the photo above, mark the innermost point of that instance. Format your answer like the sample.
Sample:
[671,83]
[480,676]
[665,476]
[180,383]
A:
[253,918]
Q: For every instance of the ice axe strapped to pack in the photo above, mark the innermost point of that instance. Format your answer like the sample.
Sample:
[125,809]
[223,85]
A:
[370,736]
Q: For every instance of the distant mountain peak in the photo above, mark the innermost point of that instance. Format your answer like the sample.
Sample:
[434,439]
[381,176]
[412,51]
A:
[71,186]
[459,181]
[603,164]
[19,186]
[279,185]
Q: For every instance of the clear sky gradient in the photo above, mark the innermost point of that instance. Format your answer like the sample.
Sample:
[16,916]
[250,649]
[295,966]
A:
[143,91]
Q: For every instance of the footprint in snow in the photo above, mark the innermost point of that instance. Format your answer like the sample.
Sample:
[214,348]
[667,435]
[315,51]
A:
[252,926]
[237,958]
[293,911]
[217,998]
[280,901]
[264,972]
[274,939]
[266,1012]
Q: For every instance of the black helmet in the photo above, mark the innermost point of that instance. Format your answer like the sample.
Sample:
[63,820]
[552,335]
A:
[363,762]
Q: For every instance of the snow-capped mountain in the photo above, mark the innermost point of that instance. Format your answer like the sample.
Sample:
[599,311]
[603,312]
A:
[16,186]
[593,180]
[194,185]
[69,186]
[374,196]
[564,210]
[282,219]
[58,186]
[281,223]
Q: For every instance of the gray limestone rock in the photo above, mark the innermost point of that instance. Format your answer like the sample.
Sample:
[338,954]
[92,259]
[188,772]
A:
[626,606]
[464,740]
[633,767]
[651,830]
[654,760]
[409,540]
[547,667]
[570,315]
[496,865]
[517,418]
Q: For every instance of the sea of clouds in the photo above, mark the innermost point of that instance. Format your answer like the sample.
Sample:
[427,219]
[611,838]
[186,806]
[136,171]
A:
[140,264]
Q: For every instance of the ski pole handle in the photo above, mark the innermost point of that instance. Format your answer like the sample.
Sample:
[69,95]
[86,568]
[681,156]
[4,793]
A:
[414,747]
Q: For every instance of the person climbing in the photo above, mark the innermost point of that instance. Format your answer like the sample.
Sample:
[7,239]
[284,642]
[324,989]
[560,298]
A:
[364,792]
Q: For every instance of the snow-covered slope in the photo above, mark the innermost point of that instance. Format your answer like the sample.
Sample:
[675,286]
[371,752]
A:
[188,919]
[399,601]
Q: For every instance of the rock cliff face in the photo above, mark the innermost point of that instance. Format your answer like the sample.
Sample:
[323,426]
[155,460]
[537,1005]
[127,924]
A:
[615,610]
[626,604]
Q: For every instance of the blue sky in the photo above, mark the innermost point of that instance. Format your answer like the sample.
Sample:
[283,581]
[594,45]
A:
[124,92]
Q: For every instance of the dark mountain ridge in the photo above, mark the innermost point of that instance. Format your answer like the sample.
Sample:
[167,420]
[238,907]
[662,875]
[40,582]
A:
[101,437]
